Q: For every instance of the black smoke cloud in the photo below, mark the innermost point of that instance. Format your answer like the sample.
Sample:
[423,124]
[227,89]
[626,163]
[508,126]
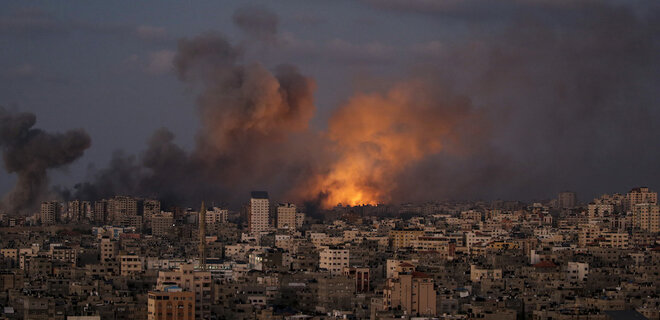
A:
[30,153]
[570,89]
[567,92]
[250,120]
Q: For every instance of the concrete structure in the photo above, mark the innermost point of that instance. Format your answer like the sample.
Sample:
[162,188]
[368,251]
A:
[162,224]
[150,208]
[172,303]
[258,214]
[646,217]
[410,291]
[191,280]
[577,271]
[216,216]
[50,212]
[567,200]
[286,216]
[130,264]
[334,260]
[109,249]
[478,274]
[404,238]
[640,195]
[361,276]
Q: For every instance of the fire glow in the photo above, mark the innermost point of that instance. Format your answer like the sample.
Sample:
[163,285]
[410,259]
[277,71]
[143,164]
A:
[377,136]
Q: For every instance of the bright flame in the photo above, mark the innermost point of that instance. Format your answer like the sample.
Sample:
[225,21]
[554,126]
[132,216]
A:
[377,136]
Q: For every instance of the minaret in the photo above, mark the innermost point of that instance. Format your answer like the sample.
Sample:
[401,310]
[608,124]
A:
[202,237]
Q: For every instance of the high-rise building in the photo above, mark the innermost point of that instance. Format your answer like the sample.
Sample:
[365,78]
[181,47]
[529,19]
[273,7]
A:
[258,214]
[49,212]
[646,217]
[286,216]
[101,211]
[567,200]
[74,210]
[202,236]
[149,209]
[640,195]
[172,303]
[87,210]
[121,209]
[411,291]
[161,223]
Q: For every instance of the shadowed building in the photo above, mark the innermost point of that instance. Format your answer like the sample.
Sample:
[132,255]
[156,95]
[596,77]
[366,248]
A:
[171,304]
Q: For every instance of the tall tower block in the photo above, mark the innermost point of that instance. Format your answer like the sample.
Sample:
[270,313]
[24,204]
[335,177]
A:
[202,237]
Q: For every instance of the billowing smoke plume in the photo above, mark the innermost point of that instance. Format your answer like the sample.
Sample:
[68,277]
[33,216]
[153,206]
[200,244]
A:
[554,95]
[30,153]
[242,107]
[378,136]
[249,116]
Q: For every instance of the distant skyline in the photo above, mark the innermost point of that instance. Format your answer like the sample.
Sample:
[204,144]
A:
[381,100]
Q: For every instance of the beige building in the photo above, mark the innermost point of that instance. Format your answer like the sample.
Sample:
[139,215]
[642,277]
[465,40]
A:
[49,212]
[595,210]
[100,211]
[577,271]
[109,249]
[334,260]
[566,200]
[640,195]
[130,264]
[410,291]
[646,217]
[614,240]
[149,209]
[121,209]
[74,210]
[189,279]
[217,215]
[162,223]
[477,274]
[63,253]
[171,304]
[437,244]
[258,215]
[361,277]
[588,234]
[9,254]
[286,216]
[404,238]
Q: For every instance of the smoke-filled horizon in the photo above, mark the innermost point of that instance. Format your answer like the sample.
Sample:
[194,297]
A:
[549,97]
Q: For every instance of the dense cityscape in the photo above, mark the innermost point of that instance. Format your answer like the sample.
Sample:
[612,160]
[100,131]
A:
[128,258]
[317,160]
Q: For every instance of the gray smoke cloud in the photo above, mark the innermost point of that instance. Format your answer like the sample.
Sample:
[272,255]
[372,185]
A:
[258,23]
[30,153]
[565,92]
[250,118]
[570,89]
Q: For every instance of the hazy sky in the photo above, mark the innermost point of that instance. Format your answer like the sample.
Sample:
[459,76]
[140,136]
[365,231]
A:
[569,88]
